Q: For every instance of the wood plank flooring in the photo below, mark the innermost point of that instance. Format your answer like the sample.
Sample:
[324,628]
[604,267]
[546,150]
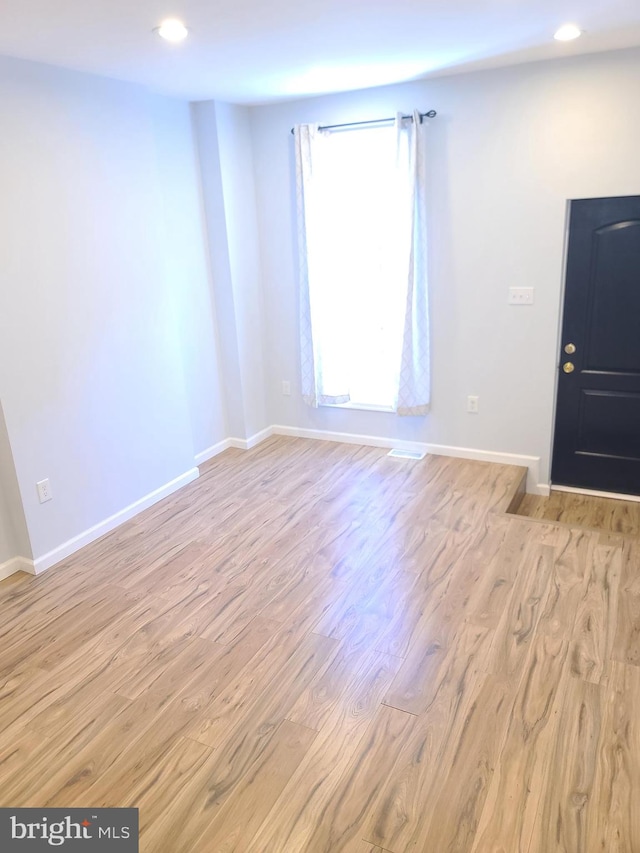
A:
[317,648]
[608,515]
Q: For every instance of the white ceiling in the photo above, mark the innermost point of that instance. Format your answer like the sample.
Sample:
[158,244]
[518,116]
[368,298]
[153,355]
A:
[255,51]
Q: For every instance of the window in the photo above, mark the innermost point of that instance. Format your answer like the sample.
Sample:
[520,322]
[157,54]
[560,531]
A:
[357,218]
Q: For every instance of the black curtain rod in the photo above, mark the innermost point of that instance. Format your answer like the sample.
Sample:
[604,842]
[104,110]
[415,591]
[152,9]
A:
[430,114]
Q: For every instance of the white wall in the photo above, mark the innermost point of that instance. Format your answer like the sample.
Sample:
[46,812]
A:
[8,544]
[100,252]
[187,270]
[226,163]
[14,539]
[206,131]
[111,373]
[237,170]
[508,149]
[8,549]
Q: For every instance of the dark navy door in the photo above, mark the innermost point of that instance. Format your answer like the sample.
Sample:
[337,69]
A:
[597,430]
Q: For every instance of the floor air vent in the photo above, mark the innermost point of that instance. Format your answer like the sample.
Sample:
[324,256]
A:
[407,454]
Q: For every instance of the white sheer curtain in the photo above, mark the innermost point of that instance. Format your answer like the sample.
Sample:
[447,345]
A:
[414,383]
[321,321]
[362,252]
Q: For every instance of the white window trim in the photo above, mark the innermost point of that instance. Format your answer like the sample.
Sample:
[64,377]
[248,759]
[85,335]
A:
[362,407]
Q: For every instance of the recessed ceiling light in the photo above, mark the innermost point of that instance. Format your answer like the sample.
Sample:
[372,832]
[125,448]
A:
[567,32]
[172,30]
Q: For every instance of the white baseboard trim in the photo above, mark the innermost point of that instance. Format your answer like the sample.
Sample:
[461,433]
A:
[16,564]
[350,438]
[252,441]
[40,564]
[239,443]
[596,494]
[212,451]
[109,524]
[532,463]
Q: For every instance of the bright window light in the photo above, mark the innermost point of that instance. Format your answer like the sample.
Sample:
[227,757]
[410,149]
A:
[358,235]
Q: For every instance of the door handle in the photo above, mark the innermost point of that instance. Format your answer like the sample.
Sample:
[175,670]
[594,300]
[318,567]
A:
[568,367]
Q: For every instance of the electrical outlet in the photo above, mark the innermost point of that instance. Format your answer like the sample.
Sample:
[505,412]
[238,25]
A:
[472,404]
[44,491]
[520,296]
[286,388]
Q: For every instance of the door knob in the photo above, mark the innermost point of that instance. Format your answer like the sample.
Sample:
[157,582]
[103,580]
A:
[568,367]
[570,349]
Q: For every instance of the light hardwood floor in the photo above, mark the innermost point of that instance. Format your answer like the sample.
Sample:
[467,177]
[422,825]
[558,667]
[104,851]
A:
[605,514]
[318,648]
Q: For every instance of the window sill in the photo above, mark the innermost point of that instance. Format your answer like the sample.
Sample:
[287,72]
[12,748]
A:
[360,407]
